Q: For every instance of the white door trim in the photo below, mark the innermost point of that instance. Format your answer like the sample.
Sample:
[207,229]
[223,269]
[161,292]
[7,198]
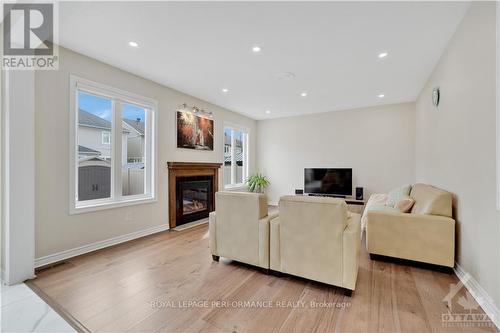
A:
[18,175]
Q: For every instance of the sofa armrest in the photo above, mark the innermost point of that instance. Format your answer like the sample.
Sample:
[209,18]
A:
[427,238]
[264,242]
[274,248]
[351,240]
[272,215]
[375,198]
[212,231]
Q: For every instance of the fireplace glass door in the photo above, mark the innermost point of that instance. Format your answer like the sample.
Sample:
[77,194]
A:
[194,199]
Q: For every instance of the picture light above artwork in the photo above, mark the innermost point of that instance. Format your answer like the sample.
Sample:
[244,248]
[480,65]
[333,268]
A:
[194,109]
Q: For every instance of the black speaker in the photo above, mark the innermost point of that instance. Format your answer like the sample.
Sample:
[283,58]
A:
[359,193]
[299,191]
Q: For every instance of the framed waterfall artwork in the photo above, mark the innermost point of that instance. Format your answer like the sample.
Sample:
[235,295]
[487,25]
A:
[194,132]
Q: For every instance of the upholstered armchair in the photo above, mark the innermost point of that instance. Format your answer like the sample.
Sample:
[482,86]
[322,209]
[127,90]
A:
[316,238]
[239,228]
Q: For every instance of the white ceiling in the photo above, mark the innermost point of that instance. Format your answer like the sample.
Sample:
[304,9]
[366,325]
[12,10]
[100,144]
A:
[331,47]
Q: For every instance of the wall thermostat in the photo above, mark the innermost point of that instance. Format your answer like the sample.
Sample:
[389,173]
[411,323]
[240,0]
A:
[436,95]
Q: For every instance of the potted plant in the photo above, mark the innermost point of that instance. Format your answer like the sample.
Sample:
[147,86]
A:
[257,183]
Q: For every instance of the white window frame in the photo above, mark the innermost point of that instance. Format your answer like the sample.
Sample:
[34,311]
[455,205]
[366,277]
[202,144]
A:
[106,137]
[246,159]
[118,97]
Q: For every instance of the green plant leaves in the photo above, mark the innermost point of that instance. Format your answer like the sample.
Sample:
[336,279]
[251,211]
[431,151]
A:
[257,182]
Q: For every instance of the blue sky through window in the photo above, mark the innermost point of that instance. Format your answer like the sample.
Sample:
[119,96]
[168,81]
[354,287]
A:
[133,112]
[237,134]
[101,107]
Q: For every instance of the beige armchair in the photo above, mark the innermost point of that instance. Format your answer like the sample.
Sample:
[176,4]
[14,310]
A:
[316,238]
[239,228]
[427,234]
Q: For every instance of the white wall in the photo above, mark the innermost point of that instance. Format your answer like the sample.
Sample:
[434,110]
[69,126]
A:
[56,230]
[456,143]
[378,143]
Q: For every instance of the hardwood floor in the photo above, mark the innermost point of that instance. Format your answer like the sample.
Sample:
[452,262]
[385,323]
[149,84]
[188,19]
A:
[146,285]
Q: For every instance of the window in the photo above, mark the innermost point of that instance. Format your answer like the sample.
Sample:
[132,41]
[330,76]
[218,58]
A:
[106,138]
[235,156]
[133,149]
[112,142]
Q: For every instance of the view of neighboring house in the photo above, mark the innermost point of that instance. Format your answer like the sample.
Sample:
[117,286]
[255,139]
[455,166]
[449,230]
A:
[238,151]
[94,152]
[85,152]
[135,140]
[238,158]
[94,134]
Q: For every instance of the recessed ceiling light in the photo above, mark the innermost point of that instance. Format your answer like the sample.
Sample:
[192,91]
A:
[381,96]
[304,94]
[268,112]
[133,44]
[256,49]
[383,55]
[225,90]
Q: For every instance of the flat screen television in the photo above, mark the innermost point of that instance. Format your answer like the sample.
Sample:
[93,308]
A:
[328,181]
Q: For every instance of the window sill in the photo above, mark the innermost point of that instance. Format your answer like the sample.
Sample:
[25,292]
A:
[93,206]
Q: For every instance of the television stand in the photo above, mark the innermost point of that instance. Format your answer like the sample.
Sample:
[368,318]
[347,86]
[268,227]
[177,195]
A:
[327,195]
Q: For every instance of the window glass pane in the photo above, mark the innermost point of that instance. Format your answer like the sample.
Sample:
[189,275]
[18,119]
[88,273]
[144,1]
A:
[106,137]
[235,169]
[238,154]
[94,154]
[227,156]
[133,149]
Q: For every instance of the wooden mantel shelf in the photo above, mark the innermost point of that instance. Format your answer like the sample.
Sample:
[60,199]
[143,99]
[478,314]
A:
[193,165]
[186,169]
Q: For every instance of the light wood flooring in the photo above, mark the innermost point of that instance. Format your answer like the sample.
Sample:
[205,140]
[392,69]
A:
[128,287]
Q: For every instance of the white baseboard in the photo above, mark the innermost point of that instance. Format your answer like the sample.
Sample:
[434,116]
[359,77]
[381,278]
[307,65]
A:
[63,255]
[480,295]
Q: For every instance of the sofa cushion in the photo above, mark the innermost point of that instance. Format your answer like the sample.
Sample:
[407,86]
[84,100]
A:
[431,200]
[405,204]
[397,194]
[380,207]
[376,198]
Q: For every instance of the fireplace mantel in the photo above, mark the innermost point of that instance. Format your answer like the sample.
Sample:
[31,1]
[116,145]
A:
[186,169]
[193,165]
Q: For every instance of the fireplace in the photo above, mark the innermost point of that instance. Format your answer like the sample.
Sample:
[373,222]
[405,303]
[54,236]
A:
[191,191]
[193,198]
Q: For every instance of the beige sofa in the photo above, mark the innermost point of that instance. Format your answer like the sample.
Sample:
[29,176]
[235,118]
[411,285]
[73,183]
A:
[427,234]
[239,228]
[316,238]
